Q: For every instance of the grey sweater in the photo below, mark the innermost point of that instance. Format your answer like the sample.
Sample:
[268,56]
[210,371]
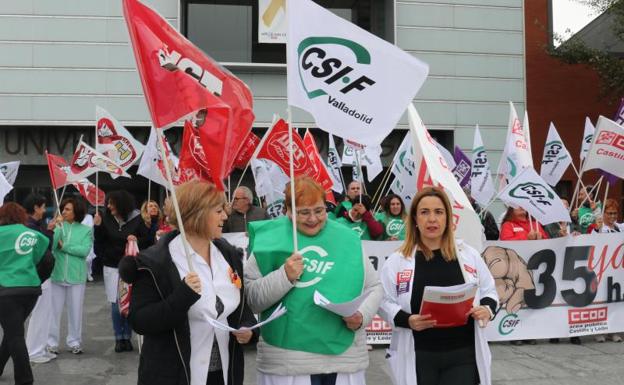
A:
[237,222]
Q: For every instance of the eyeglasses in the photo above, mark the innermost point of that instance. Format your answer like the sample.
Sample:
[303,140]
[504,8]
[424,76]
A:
[307,213]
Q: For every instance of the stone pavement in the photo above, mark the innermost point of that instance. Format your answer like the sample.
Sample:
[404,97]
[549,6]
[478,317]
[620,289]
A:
[544,364]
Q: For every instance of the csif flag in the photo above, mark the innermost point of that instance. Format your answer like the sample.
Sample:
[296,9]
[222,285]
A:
[333,165]
[403,169]
[556,157]
[87,161]
[588,137]
[529,191]
[5,188]
[114,141]
[481,183]
[607,148]
[270,184]
[9,170]
[354,84]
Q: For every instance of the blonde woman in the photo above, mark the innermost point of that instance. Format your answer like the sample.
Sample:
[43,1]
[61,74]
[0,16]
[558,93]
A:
[152,217]
[430,256]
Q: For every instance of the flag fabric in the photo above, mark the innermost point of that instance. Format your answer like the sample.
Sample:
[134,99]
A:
[87,161]
[152,166]
[446,154]
[404,171]
[481,183]
[192,163]
[270,184]
[179,80]
[607,148]
[432,170]
[319,172]
[90,192]
[556,157]
[619,115]
[354,84]
[529,191]
[114,141]
[333,165]
[588,136]
[517,151]
[58,168]
[5,188]
[371,159]
[9,170]
[246,151]
[348,154]
[461,171]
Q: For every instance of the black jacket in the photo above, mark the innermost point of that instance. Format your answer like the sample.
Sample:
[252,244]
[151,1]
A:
[158,310]
[111,238]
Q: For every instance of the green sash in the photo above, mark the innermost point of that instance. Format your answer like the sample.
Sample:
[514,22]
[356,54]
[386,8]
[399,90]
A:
[333,265]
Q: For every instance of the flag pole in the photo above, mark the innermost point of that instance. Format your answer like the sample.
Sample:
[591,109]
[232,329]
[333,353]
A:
[592,191]
[359,166]
[149,189]
[97,174]
[344,186]
[174,199]
[384,180]
[580,181]
[292,180]
[229,189]
[604,201]
[381,192]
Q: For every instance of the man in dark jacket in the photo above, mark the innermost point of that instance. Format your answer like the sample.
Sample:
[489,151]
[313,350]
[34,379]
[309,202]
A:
[35,205]
[243,211]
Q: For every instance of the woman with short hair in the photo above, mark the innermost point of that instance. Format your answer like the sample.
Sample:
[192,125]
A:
[171,303]
[430,256]
[71,245]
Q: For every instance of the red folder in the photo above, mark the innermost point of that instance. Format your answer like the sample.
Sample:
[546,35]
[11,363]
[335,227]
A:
[448,305]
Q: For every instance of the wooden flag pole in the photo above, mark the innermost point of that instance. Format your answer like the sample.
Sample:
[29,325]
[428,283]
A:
[293,203]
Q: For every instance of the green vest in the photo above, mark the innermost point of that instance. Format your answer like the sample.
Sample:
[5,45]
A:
[586,216]
[347,205]
[21,249]
[393,226]
[359,228]
[70,266]
[333,265]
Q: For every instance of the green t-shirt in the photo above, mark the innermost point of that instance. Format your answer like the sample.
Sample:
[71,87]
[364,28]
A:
[587,216]
[21,249]
[360,228]
[393,226]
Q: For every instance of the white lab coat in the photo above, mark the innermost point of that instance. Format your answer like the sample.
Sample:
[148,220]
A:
[401,356]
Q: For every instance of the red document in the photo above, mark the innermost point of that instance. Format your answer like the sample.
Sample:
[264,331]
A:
[448,305]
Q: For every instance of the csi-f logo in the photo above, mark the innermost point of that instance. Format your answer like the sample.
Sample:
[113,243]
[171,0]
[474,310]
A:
[480,162]
[553,151]
[533,191]
[25,243]
[330,68]
[316,265]
[508,323]
[588,139]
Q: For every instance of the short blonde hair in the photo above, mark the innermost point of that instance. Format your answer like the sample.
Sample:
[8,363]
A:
[413,239]
[307,192]
[196,199]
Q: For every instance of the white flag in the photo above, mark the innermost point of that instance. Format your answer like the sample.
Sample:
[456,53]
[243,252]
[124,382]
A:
[114,141]
[152,166]
[371,159]
[529,191]
[9,170]
[355,84]
[348,154]
[87,161]
[5,188]
[556,157]
[333,165]
[432,170]
[481,184]
[517,152]
[607,148]
[588,137]
[446,154]
[403,161]
[270,183]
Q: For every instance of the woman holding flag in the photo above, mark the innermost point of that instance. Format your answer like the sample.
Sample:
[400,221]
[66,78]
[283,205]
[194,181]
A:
[310,345]
[430,256]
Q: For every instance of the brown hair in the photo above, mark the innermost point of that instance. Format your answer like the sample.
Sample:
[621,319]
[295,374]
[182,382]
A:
[413,240]
[196,199]
[509,214]
[307,192]
[11,213]
[611,204]
[146,217]
[79,207]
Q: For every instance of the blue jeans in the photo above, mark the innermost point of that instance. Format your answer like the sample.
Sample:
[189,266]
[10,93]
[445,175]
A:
[120,324]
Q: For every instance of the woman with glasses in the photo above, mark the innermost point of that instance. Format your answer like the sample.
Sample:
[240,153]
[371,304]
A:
[419,351]
[310,345]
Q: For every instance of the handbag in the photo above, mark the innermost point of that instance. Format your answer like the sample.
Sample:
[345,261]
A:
[124,290]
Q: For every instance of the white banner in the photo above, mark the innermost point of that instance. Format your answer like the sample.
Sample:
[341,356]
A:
[355,84]
[272,23]
[607,148]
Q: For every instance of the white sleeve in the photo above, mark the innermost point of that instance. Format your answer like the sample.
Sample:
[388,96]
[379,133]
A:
[390,303]
[264,292]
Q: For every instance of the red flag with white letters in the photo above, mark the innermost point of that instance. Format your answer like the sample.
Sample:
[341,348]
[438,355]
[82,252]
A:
[246,151]
[321,175]
[193,163]
[276,149]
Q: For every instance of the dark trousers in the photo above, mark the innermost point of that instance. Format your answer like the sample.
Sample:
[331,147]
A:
[323,379]
[453,367]
[13,313]
[215,378]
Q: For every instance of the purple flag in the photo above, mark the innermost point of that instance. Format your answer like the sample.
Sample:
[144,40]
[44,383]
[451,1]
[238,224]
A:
[462,168]
[619,115]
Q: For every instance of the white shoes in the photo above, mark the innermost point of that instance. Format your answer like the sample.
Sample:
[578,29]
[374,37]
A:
[42,359]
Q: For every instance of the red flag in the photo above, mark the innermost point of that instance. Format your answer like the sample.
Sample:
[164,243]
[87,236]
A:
[246,151]
[58,169]
[90,192]
[321,175]
[275,148]
[179,79]
[192,164]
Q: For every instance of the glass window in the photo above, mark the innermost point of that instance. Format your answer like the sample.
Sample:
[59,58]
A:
[227,30]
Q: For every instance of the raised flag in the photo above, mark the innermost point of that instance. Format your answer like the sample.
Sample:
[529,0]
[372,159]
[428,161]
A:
[403,169]
[432,170]
[152,166]
[461,171]
[446,154]
[619,115]
[9,170]
[5,188]
[319,172]
[192,163]
[348,154]
[481,183]
[276,148]
[334,165]
[529,191]
[588,137]
[517,151]
[354,84]
[246,151]
[270,184]
[87,161]
[556,157]
[114,141]
[607,148]
[371,159]
[90,192]
[58,168]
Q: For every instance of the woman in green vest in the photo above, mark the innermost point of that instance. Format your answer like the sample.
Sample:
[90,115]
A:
[70,247]
[21,249]
[392,218]
[309,344]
